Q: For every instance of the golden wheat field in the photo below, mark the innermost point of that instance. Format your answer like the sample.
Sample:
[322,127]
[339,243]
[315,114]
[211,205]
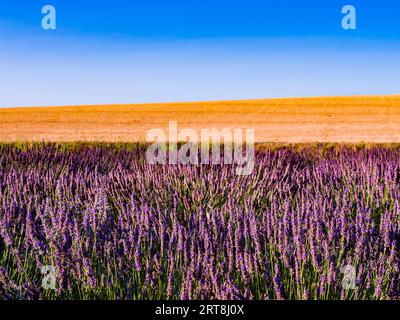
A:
[374,119]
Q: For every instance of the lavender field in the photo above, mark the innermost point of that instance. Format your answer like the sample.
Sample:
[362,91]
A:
[311,222]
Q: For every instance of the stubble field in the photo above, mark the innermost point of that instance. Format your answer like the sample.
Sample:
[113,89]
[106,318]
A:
[374,119]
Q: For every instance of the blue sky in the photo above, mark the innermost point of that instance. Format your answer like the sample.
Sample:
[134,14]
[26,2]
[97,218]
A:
[151,51]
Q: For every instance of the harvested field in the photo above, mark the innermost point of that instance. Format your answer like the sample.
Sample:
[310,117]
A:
[373,119]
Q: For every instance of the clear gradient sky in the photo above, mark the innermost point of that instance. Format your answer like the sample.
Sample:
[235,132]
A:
[167,50]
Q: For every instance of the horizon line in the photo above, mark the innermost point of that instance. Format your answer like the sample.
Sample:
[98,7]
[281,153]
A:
[203,101]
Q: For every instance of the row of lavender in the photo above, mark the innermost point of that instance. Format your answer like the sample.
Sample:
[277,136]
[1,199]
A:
[309,223]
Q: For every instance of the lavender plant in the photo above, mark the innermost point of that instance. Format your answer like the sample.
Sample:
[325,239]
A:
[115,227]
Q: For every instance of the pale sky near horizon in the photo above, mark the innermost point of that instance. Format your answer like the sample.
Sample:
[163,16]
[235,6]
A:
[134,52]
